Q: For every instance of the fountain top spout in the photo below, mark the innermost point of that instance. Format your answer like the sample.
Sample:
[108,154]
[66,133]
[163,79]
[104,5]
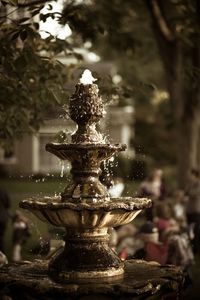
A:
[87,77]
[86,109]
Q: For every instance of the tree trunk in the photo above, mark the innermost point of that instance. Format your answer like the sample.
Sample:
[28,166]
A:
[184,93]
[187,146]
[185,114]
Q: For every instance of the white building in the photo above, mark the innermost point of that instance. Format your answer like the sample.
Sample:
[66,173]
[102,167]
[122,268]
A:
[30,157]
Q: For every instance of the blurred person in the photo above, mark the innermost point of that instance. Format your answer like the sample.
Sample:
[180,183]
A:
[3,262]
[146,191]
[4,216]
[193,206]
[179,249]
[179,207]
[3,259]
[153,249]
[175,233]
[164,220]
[153,188]
[164,216]
[129,246]
[20,235]
[124,231]
[128,241]
[125,248]
[158,187]
[117,188]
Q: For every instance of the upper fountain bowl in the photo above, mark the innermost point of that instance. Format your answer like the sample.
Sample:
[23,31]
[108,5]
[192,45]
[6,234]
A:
[86,154]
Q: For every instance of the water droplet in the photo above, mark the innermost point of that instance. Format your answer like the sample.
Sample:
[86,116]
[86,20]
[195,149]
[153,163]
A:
[62,168]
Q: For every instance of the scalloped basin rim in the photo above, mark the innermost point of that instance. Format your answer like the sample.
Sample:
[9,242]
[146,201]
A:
[54,203]
[63,146]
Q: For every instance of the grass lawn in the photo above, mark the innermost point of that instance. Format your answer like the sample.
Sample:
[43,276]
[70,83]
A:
[20,189]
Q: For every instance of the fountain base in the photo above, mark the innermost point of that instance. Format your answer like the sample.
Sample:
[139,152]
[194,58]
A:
[86,255]
[141,280]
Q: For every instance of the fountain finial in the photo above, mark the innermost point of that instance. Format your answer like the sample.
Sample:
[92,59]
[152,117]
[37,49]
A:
[86,109]
[87,77]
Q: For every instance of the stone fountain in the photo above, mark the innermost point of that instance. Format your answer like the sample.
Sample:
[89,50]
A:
[86,268]
[85,208]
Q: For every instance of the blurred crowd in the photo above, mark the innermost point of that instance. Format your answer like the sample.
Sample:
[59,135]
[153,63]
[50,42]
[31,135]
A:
[169,231]
[166,233]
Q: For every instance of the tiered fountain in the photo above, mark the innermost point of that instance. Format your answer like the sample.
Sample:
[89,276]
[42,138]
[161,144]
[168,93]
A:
[85,208]
[86,268]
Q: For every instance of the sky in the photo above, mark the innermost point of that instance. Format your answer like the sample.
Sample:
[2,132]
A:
[51,25]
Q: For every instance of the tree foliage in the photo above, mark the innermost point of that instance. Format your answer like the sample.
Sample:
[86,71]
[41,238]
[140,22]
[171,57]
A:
[32,81]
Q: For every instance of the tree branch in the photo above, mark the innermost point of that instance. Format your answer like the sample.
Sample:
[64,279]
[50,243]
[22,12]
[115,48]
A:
[160,20]
[32,3]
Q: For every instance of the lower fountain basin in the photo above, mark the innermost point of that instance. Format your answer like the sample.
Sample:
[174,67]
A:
[142,280]
[117,211]
[86,253]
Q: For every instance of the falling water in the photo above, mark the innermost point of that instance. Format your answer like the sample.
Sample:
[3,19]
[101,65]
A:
[62,168]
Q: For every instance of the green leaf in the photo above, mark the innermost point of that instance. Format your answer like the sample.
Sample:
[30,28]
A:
[23,35]
[35,12]
[23,20]
[4,2]
[50,7]
[43,17]
[36,25]
[15,35]
[13,2]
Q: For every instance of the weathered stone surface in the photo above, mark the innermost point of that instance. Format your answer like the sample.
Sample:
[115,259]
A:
[142,280]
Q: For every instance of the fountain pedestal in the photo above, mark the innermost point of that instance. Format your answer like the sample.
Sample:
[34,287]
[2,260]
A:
[86,255]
